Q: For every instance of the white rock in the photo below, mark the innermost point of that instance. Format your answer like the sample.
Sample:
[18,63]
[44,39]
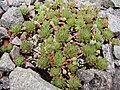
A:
[16,41]
[27,79]
[6,63]
[117,52]
[114,23]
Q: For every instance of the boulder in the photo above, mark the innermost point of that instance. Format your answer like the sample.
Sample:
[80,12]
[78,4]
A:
[6,63]
[27,79]
[93,79]
[11,17]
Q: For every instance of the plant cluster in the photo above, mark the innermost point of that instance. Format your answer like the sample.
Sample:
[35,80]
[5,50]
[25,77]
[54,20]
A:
[67,33]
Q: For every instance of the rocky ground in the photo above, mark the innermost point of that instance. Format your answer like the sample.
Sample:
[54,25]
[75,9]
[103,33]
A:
[17,78]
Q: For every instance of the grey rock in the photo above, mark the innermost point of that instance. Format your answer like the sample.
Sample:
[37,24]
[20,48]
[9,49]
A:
[6,63]
[117,52]
[116,2]
[116,12]
[108,54]
[15,52]
[5,83]
[95,79]
[1,12]
[16,41]
[103,3]
[3,32]
[114,23]
[4,5]
[27,79]
[11,17]
[117,63]
[18,3]
[116,80]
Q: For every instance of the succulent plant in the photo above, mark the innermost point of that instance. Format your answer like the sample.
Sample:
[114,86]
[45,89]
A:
[115,42]
[70,50]
[66,35]
[59,59]
[101,64]
[74,83]
[24,10]
[55,71]
[43,62]
[15,29]
[91,59]
[72,68]
[62,36]
[45,30]
[29,26]
[59,82]
[88,49]
[19,60]
[107,34]
[6,48]
[26,46]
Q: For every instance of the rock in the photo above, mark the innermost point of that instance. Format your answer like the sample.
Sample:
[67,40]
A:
[117,52]
[116,80]
[11,17]
[114,23]
[16,41]
[15,52]
[103,3]
[3,32]
[1,12]
[116,12]
[6,63]
[5,83]
[117,63]
[4,5]
[107,53]
[27,79]
[116,2]
[94,79]
[17,3]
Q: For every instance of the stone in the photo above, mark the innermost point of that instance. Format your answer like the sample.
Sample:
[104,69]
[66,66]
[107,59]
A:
[15,52]
[4,5]
[4,83]
[117,52]
[116,12]
[94,79]
[116,2]
[27,79]
[114,23]
[17,3]
[6,63]
[16,41]
[1,12]
[103,3]
[3,32]
[117,63]
[116,80]
[107,53]
[11,17]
